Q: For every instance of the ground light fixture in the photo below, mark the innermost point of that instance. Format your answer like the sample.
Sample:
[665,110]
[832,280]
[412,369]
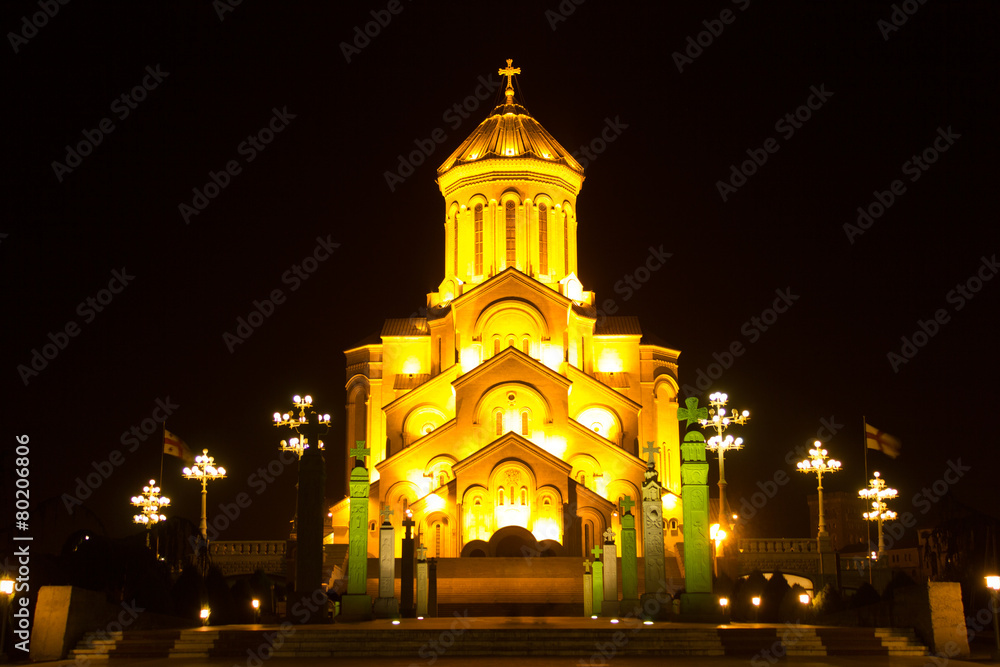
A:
[804,598]
[993,583]
[205,613]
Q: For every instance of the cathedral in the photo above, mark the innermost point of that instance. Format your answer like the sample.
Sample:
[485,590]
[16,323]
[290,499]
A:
[513,418]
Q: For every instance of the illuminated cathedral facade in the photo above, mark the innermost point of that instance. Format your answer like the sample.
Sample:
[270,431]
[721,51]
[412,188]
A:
[512,418]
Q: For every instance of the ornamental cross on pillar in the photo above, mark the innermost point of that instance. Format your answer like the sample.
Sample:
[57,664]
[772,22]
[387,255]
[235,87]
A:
[509,72]
[359,452]
[626,504]
[609,536]
[597,551]
[651,450]
[421,552]
[386,513]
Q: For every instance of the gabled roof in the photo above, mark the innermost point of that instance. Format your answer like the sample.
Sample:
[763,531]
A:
[511,440]
[406,326]
[416,394]
[506,354]
[511,274]
[576,375]
[618,325]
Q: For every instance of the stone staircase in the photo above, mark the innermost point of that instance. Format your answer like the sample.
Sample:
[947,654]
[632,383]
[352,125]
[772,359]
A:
[510,637]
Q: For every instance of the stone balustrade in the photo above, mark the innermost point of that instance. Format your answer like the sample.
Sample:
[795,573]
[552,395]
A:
[768,545]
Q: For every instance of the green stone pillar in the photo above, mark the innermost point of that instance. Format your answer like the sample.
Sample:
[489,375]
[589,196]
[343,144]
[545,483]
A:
[356,604]
[697,598]
[630,564]
[597,575]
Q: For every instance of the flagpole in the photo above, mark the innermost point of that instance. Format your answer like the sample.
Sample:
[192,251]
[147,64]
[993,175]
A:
[163,444]
[868,524]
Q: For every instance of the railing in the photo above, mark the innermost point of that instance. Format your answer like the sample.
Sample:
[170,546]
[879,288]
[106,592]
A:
[778,546]
[274,548]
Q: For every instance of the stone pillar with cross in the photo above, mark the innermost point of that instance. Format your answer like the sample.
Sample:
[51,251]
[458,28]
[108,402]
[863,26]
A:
[588,590]
[630,565]
[386,605]
[610,557]
[655,583]
[406,568]
[421,581]
[697,598]
[597,579]
[509,72]
[311,499]
[356,604]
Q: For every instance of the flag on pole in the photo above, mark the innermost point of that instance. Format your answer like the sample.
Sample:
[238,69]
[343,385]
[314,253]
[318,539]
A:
[882,441]
[174,446]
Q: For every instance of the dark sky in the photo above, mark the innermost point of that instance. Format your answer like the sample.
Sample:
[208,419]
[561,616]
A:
[881,96]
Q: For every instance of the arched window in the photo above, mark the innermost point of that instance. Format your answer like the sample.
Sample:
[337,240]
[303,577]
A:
[547,501]
[438,534]
[510,341]
[406,504]
[500,497]
[524,496]
[496,345]
[478,501]
[524,423]
[479,239]
[499,420]
[455,244]
[442,478]
[526,346]
[566,242]
[511,214]
[543,239]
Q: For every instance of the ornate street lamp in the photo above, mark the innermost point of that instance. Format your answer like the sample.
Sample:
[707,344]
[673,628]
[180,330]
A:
[203,470]
[877,492]
[151,504]
[819,464]
[720,420]
[299,423]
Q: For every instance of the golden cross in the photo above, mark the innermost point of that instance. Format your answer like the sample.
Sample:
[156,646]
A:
[509,72]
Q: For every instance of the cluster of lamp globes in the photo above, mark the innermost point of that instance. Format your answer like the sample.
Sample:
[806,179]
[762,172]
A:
[719,416]
[818,461]
[204,467]
[878,493]
[151,503]
[300,443]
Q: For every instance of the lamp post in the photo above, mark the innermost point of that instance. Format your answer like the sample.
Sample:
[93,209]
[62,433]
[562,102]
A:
[720,420]
[308,425]
[203,470]
[877,492]
[151,503]
[819,464]
[993,583]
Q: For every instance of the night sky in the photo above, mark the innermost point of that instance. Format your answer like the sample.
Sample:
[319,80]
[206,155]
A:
[833,100]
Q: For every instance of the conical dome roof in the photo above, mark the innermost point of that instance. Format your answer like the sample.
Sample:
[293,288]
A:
[510,132]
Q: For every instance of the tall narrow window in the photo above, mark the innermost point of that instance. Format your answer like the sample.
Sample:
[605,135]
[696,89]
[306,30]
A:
[455,244]
[526,346]
[566,242]
[524,423]
[500,499]
[499,420]
[511,213]
[524,496]
[543,239]
[438,534]
[496,346]
[479,239]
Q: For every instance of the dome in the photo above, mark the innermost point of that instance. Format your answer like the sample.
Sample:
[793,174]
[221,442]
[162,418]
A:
[510,132]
